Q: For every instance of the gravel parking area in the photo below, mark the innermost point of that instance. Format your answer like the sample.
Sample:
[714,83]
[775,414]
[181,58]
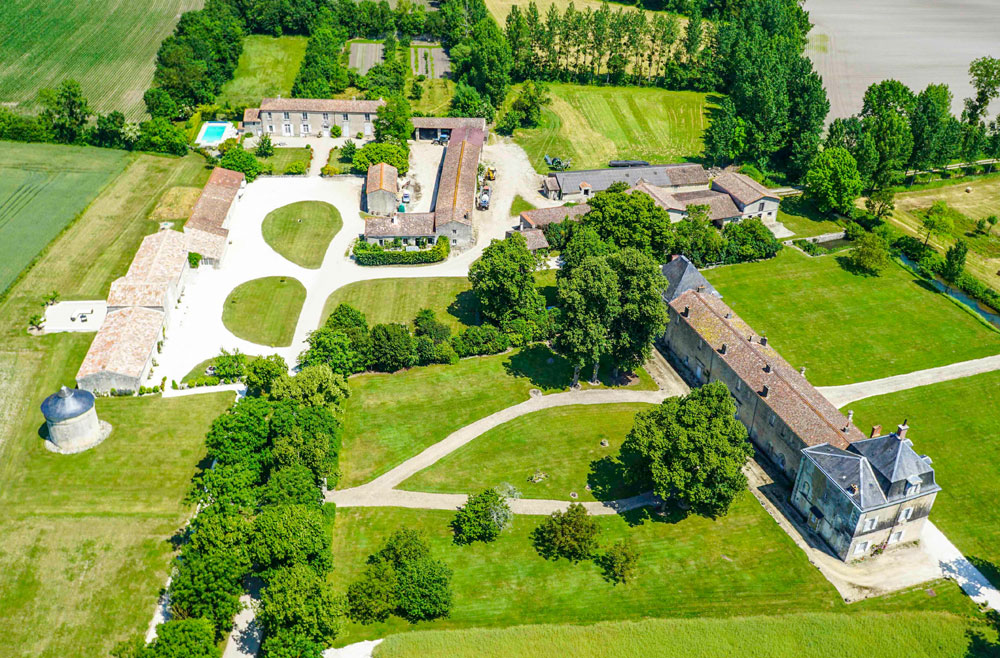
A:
[918,42]
[425,162]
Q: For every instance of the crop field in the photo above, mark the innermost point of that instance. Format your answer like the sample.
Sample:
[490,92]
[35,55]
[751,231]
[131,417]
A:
[108,46]
[267,68]
[42,188]
[983,260]
[364,55]
[592,125]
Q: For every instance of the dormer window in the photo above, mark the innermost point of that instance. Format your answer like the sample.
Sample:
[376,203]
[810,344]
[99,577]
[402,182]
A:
[912,488]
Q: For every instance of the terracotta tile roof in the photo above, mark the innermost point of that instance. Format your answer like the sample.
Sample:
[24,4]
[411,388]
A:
[136,292]
[661,196]
[216,199]
[540,217]
[403,225]
[533,237]
[208,244]
[792,398]
[320,105]
[251,115]
[123,343]
[742,188]
[687,174]
[720,205]
[475,123]
[161,257]
[382,176]
[456,196]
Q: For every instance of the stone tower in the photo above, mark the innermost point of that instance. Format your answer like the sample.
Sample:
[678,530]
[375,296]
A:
[72,421]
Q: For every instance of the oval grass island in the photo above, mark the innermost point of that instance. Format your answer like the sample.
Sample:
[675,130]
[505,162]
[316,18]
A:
[265,311]
[302,231]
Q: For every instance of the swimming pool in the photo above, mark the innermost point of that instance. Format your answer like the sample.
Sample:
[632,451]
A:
[213,132]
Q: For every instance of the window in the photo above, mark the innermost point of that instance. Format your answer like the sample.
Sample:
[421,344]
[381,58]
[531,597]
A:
[305,128]
[739,384]
[805,489]
[761,206]
[269,116]
[870,524]
[896,537]
[305,116]
[285,117]
[326,116]
[346,118]
[771,418]
[270,129]
[368,117]
[287,130]
[912,489]
[454,231]
[454,241]
[861,548]
[906,514]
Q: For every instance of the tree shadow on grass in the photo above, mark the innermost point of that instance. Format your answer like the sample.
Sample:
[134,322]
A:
[987,568]
[847,264]
[545,369]
[609,479]
[465,308]
[666,513]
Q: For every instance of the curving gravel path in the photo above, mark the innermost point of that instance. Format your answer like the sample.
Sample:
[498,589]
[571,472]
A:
[382,491]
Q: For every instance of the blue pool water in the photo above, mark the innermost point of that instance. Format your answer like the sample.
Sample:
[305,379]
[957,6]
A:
[212,133]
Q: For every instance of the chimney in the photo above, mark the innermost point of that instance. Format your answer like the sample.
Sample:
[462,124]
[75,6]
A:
[763,392]
[901,430]
[767,367]
[876,431]
[687,311]
[763,340]
[701,288]
[802,371]
[850,417]
[722,350]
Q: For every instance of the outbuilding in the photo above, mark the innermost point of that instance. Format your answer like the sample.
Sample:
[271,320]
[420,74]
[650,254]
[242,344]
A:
[71,420]
[382,189]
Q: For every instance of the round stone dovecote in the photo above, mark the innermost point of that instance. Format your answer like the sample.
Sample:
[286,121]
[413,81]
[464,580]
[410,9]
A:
[72,422]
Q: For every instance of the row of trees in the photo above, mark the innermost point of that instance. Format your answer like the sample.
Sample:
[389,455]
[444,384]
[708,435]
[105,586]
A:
[620,219]
[626,46]
[262,514]
[66,119]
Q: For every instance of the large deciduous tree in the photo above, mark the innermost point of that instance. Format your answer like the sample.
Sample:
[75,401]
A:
[66,111]
[642,315]
[691,449]
[588,300]
[300,600]
[833,181]
[503,281]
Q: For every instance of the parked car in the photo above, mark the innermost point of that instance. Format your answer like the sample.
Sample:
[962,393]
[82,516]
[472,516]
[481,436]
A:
[406,197]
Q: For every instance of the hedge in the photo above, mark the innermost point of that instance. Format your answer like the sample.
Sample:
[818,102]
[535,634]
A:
[481,340]
[373,254]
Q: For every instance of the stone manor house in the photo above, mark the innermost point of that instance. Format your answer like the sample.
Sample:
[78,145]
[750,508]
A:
[856,492]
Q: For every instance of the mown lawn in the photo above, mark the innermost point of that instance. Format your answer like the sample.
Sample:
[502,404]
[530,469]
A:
[108,46]
[740,564]
[592,125]
[804,219]
[265,311]
[809,635]
[390,418]
[301,232]
[267,69]
[285,156]
[84,543]
[520,205]
[43,187]
[564,443]
[847,327]
[436,97]
[957,424]
[983,259]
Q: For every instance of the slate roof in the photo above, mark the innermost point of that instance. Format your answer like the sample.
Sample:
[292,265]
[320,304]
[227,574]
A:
[720,205]
[895,462]
[741,187]
[682,275]
[67,403]
[382,176]
[123,343]
[161,257]
[661,175]
[320,105]
[402,225]
[540,217]
[850,472]
[789,395]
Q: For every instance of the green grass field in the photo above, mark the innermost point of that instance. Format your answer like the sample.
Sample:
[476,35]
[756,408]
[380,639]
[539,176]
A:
[815,635]
[398,300]
[265,311]
[956,423]
[846,327]
[740,564]
[520,205]
[109,46]
[390,418]
[267,69]
[43,187]
[436,97]
[301,232]
[593,125]
[802,218]
[285,156]
[84,539]
[564,443]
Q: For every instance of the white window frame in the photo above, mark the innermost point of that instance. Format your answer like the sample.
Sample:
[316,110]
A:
[305,129]
[368,117]
[896,537]
[286,130]
[870,524]
[346,117]
[906,514]
[286,116]
[326,116]
[861,548]
[270,128]
[305,116]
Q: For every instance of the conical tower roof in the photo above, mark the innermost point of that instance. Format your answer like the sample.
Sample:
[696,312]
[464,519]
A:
[67,403]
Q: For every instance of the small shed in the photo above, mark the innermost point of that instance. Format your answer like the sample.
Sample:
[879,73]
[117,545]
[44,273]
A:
[382,189]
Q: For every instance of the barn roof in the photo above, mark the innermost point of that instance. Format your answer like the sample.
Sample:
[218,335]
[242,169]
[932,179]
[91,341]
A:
[382,176]
[161,257]
[124,343]
[320,105]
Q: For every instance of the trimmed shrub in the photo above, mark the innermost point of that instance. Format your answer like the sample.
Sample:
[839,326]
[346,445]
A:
[477,341]
[373,254]
[297,168]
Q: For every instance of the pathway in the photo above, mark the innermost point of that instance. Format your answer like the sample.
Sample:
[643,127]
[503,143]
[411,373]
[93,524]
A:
[382,491]
[841,395]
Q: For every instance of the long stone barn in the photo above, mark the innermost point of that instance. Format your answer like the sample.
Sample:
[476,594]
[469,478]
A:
[855,492]
[207,230]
